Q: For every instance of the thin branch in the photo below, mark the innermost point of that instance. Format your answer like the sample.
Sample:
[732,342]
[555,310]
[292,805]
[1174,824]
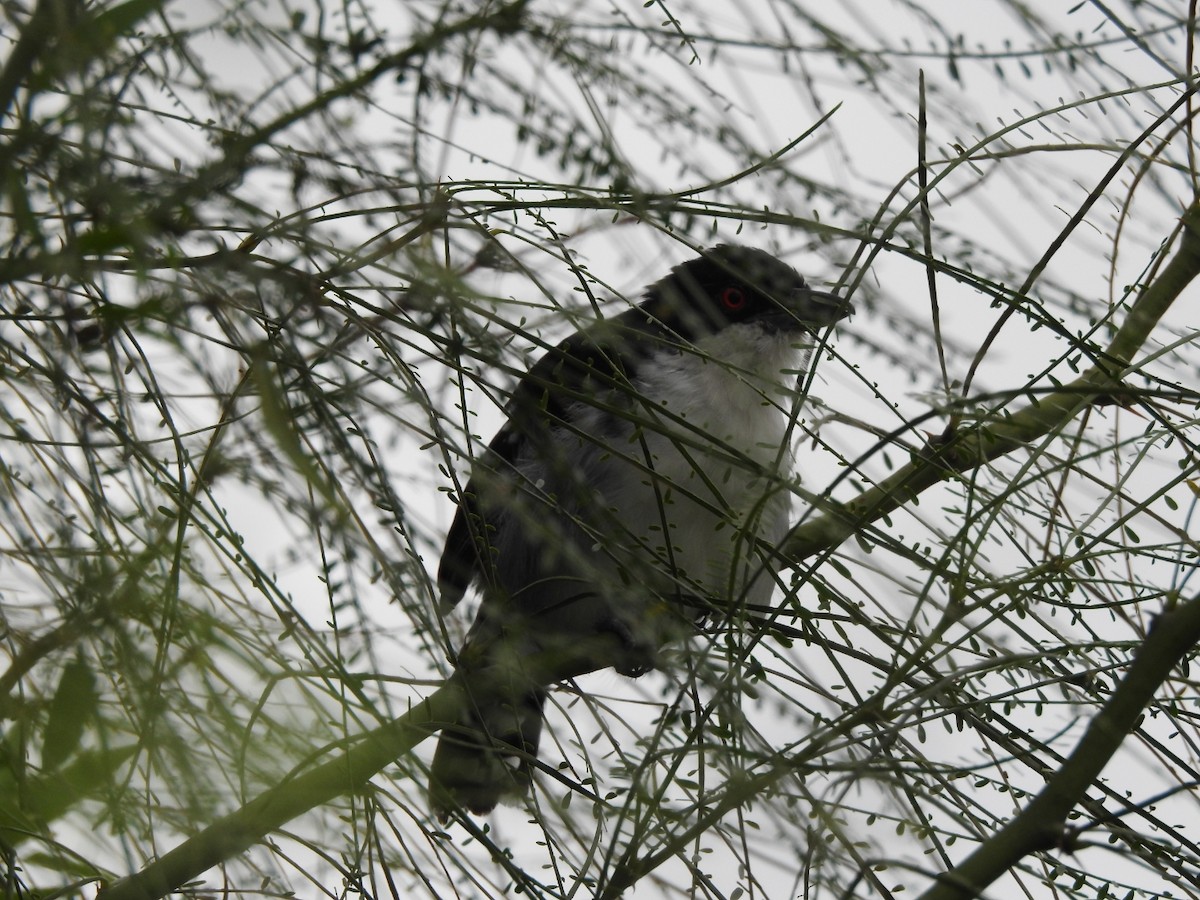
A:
[234,833]
[981,444]
[351,771]
[371,753]
[972,448]
[1041,824]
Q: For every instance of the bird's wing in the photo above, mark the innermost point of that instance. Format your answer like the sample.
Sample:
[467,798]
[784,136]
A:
[595,360]
[464,555]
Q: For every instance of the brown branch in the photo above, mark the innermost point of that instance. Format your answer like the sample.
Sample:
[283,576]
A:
[961,452]
[981,444]
[1041,824]
[348,772]
[352,770]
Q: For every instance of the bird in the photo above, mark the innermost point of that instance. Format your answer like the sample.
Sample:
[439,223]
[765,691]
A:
[636,486]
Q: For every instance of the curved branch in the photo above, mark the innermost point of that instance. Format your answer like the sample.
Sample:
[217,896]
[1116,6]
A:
[959,453]
[981,444]
[231,834]
[371,753]
[348,772]
[1040,825]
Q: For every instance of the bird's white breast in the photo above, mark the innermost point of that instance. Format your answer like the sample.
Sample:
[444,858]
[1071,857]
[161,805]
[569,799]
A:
[700,460]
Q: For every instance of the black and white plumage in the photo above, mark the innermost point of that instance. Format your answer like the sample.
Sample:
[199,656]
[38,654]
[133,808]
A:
[639,475]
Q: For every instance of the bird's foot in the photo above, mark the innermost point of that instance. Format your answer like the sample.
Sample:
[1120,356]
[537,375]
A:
[636,657]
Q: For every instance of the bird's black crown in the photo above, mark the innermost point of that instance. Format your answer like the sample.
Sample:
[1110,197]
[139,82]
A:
[728,284]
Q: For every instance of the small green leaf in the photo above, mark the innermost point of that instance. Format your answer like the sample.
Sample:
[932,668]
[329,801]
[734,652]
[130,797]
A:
[122,18]
[72,708]
[48,798]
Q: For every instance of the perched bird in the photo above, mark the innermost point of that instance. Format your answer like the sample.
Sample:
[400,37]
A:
[637,485]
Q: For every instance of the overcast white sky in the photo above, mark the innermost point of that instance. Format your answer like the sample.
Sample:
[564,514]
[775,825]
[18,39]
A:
[1007,209]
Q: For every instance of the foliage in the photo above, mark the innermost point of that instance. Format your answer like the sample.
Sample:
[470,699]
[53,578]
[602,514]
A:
[269,268]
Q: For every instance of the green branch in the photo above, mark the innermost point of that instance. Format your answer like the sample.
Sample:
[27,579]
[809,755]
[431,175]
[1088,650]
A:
[981,444]
[1041,824]
[369,754]
[234,833]
[968,449]
[504,20]
[350,771]
[238,150]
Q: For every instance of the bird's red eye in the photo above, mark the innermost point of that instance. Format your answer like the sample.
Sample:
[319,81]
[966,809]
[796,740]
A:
[733,299]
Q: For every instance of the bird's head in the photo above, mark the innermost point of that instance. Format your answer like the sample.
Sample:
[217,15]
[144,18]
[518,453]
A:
[730,285]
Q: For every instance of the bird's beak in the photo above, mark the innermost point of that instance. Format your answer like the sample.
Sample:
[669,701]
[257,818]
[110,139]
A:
[816,308]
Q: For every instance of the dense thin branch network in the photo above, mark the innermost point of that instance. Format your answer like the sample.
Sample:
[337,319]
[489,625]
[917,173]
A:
[269,270]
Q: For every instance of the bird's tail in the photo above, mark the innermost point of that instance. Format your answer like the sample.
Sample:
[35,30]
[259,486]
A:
[488,756]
